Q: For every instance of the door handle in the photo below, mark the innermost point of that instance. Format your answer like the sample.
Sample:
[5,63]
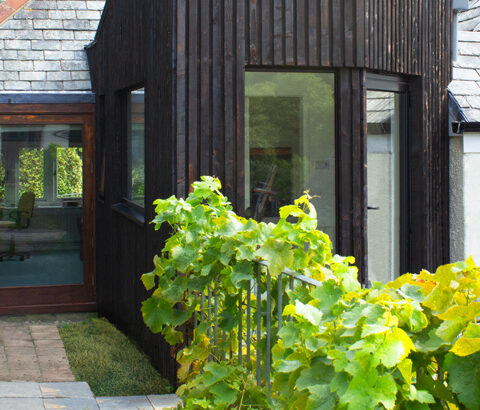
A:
[373,208]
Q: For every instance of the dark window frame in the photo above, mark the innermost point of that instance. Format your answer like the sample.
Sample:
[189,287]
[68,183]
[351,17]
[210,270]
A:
[126,206]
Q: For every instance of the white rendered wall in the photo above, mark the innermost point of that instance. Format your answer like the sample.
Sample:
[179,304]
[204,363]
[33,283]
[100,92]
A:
[471,177]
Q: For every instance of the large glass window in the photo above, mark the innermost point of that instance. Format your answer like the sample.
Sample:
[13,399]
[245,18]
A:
[290,143]
[136,148]
[383,185]
[41,207]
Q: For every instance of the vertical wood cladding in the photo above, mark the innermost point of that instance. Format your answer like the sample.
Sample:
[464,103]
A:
[191,55]
[217,39]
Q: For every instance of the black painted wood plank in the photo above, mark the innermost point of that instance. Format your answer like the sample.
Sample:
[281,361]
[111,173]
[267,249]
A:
[218,95]
[255,41]
[267,32]
[326,37]
[313,27]
[302,24]
[229,97]
[239,111]
[290,32]
[361,22]
[278,32]
[338,33]
[348,32]
[181,81]
[205,88]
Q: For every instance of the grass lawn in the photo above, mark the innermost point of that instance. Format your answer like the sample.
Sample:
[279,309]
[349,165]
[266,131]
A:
[108,361]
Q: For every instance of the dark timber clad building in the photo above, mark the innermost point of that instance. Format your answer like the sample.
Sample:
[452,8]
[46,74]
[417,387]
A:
[345,97]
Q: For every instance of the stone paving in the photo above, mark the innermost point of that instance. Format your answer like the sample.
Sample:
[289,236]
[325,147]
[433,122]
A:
[35,373]
[32,352]
[74,396]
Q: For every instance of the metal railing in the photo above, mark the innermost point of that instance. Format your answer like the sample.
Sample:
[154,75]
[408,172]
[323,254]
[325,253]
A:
[257,321]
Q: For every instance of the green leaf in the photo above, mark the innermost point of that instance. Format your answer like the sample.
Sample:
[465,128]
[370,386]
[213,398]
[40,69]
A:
[327,295]
[289,334]
[214,372]
[225,394]
[385,391]
[450,329]
[464,378]
[312,314]
[278,254]
[288,366]
[182,257]
[148,280]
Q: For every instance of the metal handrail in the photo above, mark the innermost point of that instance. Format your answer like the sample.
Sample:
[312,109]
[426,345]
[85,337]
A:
[246,338]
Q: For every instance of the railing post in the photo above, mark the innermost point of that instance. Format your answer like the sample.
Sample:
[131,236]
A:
[240,327]
[259,325]
[269,333]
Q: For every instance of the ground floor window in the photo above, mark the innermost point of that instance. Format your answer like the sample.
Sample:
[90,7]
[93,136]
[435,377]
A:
[41,204]
[290,143]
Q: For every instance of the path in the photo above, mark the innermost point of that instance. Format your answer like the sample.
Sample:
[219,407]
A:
[31,352]
[74,396]
[35,373]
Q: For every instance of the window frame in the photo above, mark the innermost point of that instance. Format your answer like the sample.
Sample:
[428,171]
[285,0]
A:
[126,206]
[398,85]
[66,297]
[297,70]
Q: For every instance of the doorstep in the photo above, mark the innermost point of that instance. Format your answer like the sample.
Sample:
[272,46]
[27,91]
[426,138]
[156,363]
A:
[74,396]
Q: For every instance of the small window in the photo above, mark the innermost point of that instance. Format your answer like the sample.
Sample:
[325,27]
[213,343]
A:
[135,191]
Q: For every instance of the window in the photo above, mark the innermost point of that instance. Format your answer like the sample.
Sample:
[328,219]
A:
[290,143]
[386,120]
[45,159]
[135,189]
[41,203]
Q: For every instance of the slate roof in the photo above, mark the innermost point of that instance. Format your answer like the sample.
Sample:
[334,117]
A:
[470,20]
[465,86]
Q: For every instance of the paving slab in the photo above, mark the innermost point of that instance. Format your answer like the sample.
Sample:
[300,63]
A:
[78,390]
[164,401]
[21,404]
[19,389]
[124,403]
[71,404]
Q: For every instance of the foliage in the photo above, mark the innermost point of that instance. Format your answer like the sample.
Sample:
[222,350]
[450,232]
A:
[111,363]
[31,171]
[413,343]
[69,178]
[69,172]
[2,176]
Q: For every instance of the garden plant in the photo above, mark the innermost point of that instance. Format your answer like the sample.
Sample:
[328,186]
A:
[413,343]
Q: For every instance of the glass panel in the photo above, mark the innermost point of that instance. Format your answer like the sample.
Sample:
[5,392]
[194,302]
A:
[41,205]
[290,143]
[136,153]
[383,185]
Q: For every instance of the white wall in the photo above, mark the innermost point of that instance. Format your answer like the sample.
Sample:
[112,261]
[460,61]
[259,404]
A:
[471,178]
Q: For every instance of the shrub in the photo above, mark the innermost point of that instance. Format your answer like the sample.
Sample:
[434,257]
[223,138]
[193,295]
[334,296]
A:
[413,343]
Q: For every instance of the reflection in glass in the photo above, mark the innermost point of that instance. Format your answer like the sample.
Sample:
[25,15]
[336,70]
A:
[290,143]
[383,185]
[136,153]
[41,209]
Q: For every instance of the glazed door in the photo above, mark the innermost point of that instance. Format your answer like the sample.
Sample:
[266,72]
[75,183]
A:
[47,209]
[387,190]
